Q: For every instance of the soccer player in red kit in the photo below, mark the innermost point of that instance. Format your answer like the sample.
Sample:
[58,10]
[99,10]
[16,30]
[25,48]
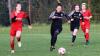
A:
[86,26]
[16,25]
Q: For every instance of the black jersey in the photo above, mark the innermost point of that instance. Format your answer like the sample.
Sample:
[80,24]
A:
[76,16]
[57,21]
[75,20]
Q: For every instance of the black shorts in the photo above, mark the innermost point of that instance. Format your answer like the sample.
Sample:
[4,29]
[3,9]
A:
[74,26]
[55,29]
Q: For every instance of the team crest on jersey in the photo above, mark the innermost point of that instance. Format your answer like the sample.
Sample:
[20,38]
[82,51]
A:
[61,14]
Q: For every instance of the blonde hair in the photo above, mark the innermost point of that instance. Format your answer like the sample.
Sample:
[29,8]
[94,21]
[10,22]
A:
[83,3]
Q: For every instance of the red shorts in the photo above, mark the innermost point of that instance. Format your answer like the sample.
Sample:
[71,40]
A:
[13,30]
[85,26]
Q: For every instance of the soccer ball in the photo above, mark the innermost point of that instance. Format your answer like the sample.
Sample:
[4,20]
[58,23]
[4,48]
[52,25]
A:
[61,51]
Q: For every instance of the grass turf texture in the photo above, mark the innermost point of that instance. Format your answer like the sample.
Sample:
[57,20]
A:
[36,42]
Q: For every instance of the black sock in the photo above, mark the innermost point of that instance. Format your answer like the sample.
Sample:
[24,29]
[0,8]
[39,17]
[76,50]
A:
[73,38]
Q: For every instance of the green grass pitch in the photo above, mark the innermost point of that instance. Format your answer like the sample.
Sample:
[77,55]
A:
[36,42]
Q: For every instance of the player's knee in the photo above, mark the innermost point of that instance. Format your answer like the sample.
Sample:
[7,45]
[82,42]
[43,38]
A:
[75,32]
[18,33]
[12,34]
[11,38]
[87,30]
[57,32]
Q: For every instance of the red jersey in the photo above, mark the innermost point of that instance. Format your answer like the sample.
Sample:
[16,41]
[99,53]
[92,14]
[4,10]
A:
[86,25]
[87,13]
[20,15]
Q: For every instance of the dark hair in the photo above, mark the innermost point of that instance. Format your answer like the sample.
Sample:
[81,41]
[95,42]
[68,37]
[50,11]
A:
[73,7]
[59,4]
[18,2]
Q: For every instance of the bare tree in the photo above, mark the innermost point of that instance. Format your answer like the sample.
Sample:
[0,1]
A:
[29,2]
[9,7]
[89,4]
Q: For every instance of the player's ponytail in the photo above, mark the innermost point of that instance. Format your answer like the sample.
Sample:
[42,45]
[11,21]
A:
[59,3]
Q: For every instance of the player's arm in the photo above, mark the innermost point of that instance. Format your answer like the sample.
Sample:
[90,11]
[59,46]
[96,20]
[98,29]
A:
[82,17]
[52,15]
[71,16]
[28,19]
[90,15]
[67,17]
[29,22]
[13,17]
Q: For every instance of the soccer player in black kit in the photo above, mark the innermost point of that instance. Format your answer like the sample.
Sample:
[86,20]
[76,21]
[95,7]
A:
[75,16]
[56,26]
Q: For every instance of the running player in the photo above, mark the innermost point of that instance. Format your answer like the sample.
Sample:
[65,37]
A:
[16,25]
[75,21]
[86,27]
[56,26]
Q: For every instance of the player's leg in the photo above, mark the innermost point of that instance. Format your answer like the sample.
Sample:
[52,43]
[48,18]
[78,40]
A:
[82,27]
[74,33]
[12,44]
[52,41]
[87,36]
[55,35]
[87,28]
[72,30]
[18,36]
[12,35]
[54,38]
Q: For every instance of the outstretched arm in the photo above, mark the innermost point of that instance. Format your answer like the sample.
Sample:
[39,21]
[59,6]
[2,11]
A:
[67,17]
[13,19]
[28,19]
[52,16]
[29,23]
[82,18]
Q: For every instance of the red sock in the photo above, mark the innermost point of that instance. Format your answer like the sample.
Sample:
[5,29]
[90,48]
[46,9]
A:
[12,44]
[87,36]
